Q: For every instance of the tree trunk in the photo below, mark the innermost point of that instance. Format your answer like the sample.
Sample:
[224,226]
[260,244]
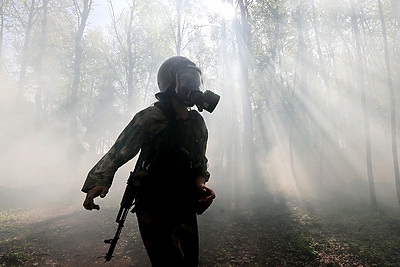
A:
[42,52]
[130,58]
[77,68]
[299,81]
[320,69]
[393,118]
[230,151]
[244,47]
[359,62]
[24,53]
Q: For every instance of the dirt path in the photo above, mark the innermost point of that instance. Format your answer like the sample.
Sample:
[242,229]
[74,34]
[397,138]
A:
[267,231]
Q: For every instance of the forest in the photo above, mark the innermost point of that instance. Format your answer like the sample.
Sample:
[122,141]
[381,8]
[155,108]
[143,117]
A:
[302,149]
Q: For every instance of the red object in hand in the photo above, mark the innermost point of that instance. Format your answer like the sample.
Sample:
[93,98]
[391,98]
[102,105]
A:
[205,199]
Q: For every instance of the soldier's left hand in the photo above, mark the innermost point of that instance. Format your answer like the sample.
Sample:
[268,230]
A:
[92,194]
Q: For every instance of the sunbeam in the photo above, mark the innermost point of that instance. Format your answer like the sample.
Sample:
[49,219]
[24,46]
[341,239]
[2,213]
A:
[302,147]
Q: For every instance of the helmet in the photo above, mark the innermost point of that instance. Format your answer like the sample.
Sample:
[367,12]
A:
[179,77]
[166,76]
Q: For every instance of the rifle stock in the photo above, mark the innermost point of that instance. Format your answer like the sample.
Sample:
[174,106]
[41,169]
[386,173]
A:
[126,203]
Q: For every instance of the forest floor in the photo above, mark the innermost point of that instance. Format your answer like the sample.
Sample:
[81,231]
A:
[268,230]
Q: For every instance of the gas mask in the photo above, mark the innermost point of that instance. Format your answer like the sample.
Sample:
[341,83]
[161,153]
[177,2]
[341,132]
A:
[188,89]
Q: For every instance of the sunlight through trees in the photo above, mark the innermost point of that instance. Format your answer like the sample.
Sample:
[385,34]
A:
[308,87]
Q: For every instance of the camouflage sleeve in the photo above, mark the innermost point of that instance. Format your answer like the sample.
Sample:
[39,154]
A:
[202,164]
[124,149]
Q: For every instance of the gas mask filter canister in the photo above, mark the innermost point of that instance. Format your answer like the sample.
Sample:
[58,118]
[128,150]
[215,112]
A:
[188,84]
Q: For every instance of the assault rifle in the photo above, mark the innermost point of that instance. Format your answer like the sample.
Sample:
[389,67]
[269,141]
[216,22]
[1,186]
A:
[126,204]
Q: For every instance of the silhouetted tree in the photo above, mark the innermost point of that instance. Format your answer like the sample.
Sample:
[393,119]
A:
[83,14]
[361,79]
[40,111]
[31,9]
[393,107]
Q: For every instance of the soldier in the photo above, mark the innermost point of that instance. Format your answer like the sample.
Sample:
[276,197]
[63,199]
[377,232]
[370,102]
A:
[171,171]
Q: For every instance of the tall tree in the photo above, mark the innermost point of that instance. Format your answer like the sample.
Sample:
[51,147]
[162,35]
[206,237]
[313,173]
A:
[393,108]
[321,70]
[83,14]
[131,32]
[230,133]
[244,45]
[130,56]
[361,78]
[31,9]
[40,111]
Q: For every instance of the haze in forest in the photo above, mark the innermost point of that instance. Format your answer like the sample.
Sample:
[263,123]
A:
[308,92]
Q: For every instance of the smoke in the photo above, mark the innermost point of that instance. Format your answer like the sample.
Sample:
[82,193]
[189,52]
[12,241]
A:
[308,133]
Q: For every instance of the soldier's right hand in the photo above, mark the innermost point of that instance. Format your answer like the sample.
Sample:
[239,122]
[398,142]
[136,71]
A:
[92,194]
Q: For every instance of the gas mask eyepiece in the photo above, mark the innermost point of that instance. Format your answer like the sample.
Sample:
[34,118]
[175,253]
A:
[188,84]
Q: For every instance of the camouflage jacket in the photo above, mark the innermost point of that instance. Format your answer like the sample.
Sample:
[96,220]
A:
[146,133]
